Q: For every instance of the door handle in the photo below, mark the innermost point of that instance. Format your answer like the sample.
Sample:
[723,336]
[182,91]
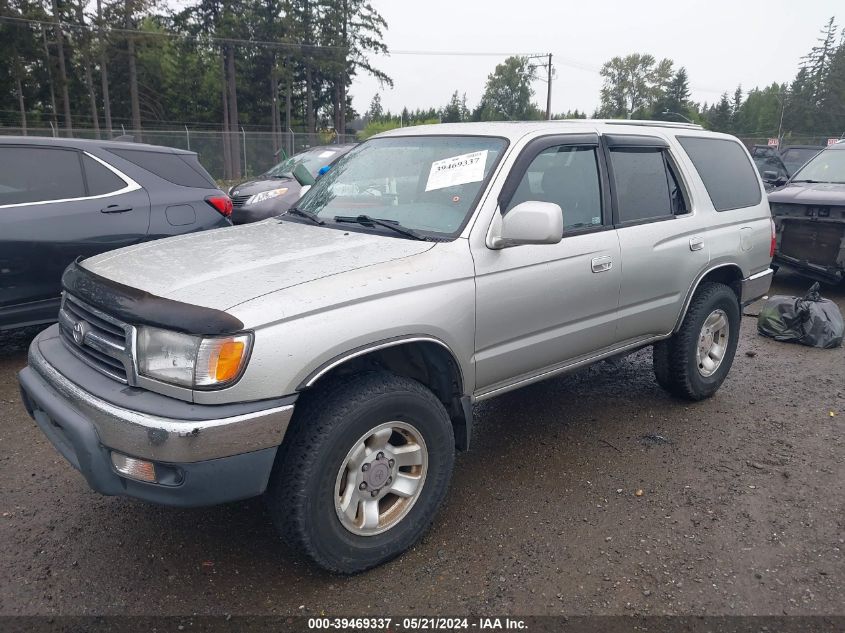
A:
[601,264]
[696,243]
[113,208]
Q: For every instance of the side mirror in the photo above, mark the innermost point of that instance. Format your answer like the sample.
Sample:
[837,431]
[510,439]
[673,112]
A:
[531,222]
[770,176]
[302,175]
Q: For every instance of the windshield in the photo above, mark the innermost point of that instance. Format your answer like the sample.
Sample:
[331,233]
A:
[424,183]
[794,157]
[313,160]
[827,166]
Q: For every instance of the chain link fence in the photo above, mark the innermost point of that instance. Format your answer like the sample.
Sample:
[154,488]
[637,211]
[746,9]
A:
[257,150]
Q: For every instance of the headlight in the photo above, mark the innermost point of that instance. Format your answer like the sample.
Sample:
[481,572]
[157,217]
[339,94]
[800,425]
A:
[778,208]
[266,195]
[191,361]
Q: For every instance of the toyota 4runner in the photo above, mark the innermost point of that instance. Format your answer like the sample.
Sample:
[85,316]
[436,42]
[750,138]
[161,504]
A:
[329,358]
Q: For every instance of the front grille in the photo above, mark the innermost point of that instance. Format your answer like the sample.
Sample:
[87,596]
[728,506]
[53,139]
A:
[239,201]
[96,338]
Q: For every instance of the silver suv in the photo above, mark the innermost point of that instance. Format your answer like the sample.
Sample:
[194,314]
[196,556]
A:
[330,358]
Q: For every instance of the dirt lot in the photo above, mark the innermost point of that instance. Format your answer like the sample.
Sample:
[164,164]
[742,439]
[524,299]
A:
[743,510]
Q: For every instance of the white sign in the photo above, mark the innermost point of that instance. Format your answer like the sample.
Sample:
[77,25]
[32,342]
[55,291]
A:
[831,141]
[457,170]
[773,142]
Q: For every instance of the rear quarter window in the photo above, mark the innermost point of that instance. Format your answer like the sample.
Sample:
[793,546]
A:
[100,179]
[727,173]
[180,169]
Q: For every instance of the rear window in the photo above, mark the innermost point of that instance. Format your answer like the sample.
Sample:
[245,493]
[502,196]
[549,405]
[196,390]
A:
[180,169]
[39,174]
[728,175]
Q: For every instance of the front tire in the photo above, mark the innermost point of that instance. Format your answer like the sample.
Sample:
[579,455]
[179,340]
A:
[362,472]
[694,362]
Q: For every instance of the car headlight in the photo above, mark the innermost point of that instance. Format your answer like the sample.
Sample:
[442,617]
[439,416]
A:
[191,361]
[256,198]
[778,208]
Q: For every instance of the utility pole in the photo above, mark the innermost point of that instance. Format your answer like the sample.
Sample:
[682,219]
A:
[550,73]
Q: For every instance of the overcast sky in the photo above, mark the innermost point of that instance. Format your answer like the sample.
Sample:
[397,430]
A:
[722,43]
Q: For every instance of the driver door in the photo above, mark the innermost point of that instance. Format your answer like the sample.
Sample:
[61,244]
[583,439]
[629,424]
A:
[539,307]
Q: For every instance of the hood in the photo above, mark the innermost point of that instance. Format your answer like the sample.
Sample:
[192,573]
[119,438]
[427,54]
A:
[821,193]
[224,267]
[258,185]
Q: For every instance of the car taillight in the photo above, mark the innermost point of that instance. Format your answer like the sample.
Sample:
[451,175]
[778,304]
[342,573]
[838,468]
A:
[774,240]
[223,204]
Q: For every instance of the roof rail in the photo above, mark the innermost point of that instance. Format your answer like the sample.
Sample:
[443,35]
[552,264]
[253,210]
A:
[644,122]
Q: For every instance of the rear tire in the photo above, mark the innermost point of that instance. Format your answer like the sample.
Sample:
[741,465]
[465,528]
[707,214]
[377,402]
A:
[694,362]
[329,466]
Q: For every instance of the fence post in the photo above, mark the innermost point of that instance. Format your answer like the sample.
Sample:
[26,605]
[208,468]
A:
[188,137]
[243,135]
[52,127]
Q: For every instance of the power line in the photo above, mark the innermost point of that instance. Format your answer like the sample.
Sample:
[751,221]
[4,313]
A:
[235,40]
[281,43]
[302,47]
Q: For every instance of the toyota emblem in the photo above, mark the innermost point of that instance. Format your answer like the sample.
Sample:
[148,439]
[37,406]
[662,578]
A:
[79,330]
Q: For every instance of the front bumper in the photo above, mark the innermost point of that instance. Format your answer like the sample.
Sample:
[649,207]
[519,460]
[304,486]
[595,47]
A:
[756,286]
[826,274]
[203,460]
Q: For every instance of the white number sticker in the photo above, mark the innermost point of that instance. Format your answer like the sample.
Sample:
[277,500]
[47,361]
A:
[457,170]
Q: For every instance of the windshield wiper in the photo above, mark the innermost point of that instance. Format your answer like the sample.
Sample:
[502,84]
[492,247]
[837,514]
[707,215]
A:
[393,225]
[304,214]
[810,181]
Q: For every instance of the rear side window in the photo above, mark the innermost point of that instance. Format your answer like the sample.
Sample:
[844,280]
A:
[39,174]
[645,187]
[180,169]
[100,179]
[728,175]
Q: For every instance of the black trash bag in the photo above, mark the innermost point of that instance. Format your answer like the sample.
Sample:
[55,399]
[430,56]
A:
[810,320]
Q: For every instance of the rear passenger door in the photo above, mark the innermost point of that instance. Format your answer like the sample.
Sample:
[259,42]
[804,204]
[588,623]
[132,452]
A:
[57,204]
[539,306]
[663,244]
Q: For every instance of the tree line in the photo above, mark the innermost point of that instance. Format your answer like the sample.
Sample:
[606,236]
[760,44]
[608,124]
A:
[811,105]
[115,65]
[639,86]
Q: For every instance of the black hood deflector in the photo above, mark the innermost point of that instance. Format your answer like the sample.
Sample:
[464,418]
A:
[142,308]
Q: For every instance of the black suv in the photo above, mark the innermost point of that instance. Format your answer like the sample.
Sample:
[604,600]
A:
[61,199]
[809,213]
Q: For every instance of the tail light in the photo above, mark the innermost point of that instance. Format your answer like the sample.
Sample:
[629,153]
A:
[774,240]
[222,203]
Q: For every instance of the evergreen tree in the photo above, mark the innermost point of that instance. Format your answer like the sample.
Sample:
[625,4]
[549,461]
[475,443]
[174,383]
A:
[376,112]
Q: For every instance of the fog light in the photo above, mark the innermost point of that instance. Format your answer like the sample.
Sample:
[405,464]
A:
[134,468]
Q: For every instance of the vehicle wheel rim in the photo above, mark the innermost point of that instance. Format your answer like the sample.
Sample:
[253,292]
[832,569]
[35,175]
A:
[712,342]
[381,478]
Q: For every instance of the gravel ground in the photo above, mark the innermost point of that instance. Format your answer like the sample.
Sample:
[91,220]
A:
[742,509]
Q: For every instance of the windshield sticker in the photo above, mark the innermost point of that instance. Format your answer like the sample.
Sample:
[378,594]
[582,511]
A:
[326,154]
[457,170]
